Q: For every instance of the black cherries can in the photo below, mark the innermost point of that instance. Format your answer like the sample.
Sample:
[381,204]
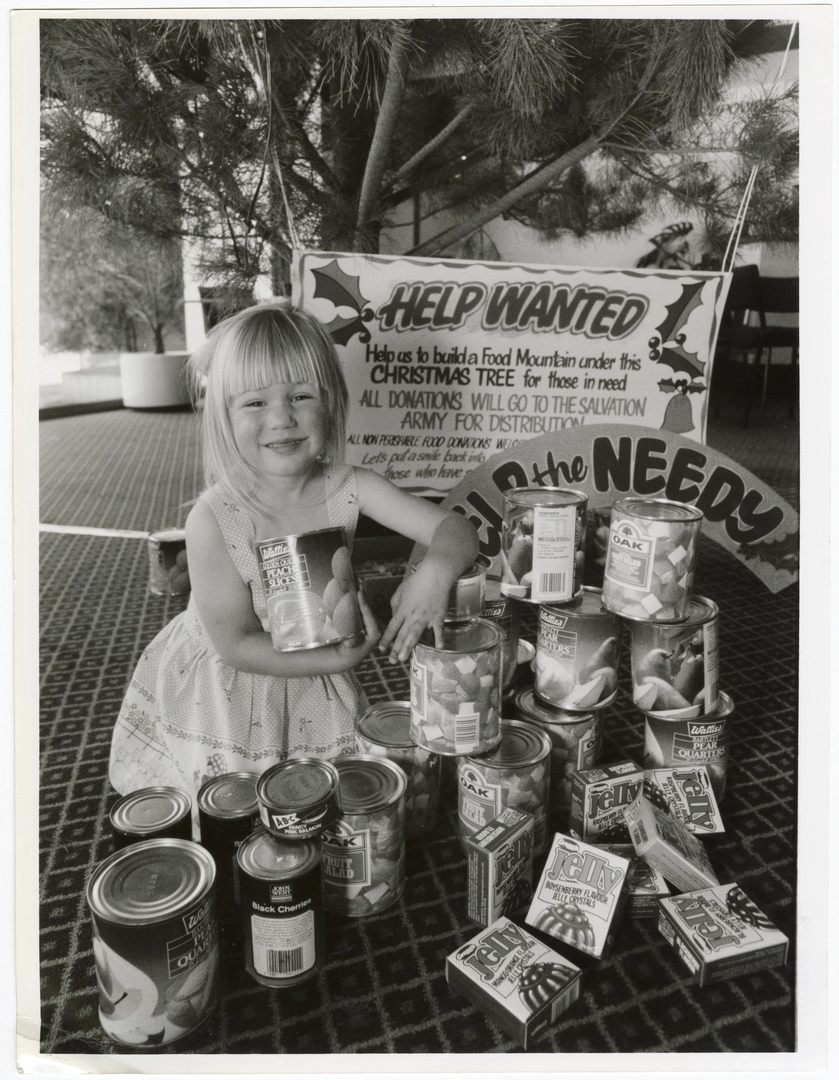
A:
[280,896]
[155,813]
[155,941]
[228,812]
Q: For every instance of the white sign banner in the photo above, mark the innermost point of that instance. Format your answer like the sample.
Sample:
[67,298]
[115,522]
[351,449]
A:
[450,362]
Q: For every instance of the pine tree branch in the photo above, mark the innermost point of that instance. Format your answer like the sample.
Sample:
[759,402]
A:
[662,185]
[426,151]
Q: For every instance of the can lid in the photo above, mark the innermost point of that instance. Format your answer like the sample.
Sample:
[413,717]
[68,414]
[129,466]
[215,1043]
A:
[521,745]
[533,708]
[588,603]
[657,509]
[701,609]
[545,496]
[168,534]
[368,783]
[150,881]
[150,809]
[268,857]
[387,723]
[297,784]
[230,796]
[464,636]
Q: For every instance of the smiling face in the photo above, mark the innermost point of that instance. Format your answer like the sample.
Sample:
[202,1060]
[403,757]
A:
[280,430]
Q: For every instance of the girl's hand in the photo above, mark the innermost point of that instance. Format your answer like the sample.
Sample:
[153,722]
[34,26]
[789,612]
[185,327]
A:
[419,603]
[350,655]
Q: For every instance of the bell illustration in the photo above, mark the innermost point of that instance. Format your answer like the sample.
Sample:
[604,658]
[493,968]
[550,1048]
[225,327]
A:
[678,416]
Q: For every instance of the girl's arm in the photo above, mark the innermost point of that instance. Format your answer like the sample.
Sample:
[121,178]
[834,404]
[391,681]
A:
[452,543]
[225,608]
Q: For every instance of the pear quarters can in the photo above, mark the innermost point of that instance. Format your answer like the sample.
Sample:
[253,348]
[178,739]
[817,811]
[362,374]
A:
[168,573]
[155,941]
[577,653]
[516,773]
[298,798]
[384,730]
[456,690]
[576,741]
[280,898]
[651,559]
[228,812]
[364,850]
[154,813]
[502,611]
[684,741]
[543,538]
[310,590]
[675,666]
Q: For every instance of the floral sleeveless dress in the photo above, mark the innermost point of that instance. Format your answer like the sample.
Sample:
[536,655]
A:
[188,716]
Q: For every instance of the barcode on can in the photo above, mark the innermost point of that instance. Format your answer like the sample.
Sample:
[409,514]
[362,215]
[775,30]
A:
[552,583]
[466,729]
[284,961]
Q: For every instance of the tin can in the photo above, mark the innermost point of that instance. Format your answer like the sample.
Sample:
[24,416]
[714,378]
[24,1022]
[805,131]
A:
[502,611]
[154,813]
[543,537]
[577,653]
[675,666]
[155,941]
[456,690]
[281,901]
[466,597]
[651,559]
[516,773]
[685,741]
[364,850]
[310,590]
[168,573]
[384,730]
[228,812]
[298,798]
[576,741]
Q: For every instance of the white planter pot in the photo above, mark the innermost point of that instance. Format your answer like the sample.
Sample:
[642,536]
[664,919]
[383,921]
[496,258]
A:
[153,380]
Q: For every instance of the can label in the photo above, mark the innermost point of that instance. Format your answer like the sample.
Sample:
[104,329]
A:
[364,861]
[456,700]
[577,659]
[282,927]
[484,791]
[630,556]
[554,549]
[346,856]
[689,741]
[675,669]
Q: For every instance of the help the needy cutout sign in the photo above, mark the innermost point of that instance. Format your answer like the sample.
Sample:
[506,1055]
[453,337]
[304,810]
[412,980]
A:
[450,362]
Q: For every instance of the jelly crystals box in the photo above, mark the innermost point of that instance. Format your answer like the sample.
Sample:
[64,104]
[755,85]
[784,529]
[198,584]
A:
[599,797]
[515,980]
[719,933]
[686,793]
[645,885]
[668,845]
[580,895]
[499,861]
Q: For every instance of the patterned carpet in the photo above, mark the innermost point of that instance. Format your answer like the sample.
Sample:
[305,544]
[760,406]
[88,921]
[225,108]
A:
[383,989]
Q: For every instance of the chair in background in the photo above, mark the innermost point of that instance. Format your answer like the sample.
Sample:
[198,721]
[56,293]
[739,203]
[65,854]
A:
[780,297]
[737,336]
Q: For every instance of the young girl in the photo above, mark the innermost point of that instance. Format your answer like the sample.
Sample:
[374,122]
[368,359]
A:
[210,694]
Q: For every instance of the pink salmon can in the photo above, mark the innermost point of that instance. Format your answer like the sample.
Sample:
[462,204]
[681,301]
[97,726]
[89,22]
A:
[543,538]
[651,559]
[577,653]
[675,666]
[310,590]
[168,573]
[576,741]
[155,941]
[671,742]
[503,612]
[298,798]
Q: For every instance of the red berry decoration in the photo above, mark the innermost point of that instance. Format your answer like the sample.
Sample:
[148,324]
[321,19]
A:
[567,923]
[615,834]
[655,795]
[539,983]
[740,905]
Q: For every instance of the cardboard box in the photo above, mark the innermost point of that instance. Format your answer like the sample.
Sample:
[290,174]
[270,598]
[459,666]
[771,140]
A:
[515,980]
[668,845]
[499,860]
[645,887]
[599,797]
[719,933]
[687,793]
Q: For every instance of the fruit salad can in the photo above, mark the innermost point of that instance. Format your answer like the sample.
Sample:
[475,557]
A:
[684,741]
[310,590]
[155,941]
[456,689]
[501,610]
[155,813]
[543,537]
[281,901]
[651,559]
[576,742]
[168,573]
[675,666]
[466,596]
[228,812]
[577,653]
[516,773]
[298,798]
[384,730]
[364,850]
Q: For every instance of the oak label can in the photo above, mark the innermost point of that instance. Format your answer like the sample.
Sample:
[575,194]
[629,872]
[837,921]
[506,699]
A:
[501,610]
[675,666]
[543,536]
[298,798]
[577,653]
[310,590]
[685,741]
[228,812]
[155,941]
[155,813]
[282,910]
[168,573]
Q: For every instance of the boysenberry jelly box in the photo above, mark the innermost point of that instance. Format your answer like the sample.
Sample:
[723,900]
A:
[580,895]
[719,933]
[515,980]
[688,794]
[599,797]
[667,844]
[499,859]
[645,887]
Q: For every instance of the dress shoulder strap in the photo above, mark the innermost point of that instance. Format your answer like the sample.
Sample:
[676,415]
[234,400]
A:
[342,499]
[237,531]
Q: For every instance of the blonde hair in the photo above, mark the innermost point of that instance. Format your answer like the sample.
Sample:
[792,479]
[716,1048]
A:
[268,343]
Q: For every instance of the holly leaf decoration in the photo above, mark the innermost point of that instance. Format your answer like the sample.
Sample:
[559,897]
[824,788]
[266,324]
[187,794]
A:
[781,554]
[343,330]
[680,310]
[668,346]
[331,283]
